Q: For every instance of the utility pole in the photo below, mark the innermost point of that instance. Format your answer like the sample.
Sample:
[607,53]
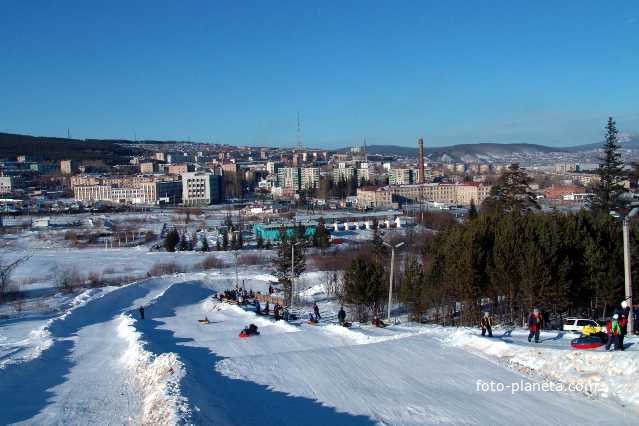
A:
[392,270]
[292,273]
[237,281]
[627,266]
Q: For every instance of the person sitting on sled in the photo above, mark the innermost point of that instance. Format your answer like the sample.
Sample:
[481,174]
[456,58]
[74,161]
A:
[486,325]
[378,322]
[311,319]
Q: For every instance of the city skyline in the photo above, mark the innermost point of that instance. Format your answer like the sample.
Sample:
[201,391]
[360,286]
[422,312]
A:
[238,74]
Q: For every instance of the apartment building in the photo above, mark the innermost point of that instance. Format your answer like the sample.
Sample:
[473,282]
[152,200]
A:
[435,192]
[199,189]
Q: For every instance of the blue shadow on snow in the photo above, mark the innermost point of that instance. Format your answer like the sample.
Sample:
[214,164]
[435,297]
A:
[217,399]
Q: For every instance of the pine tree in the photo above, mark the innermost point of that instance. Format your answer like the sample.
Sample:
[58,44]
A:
[610,171]
[472,211]
[282,263]
[364,287]
[321,235]
[183,244]
[172,239]
[225,241]
[512,193]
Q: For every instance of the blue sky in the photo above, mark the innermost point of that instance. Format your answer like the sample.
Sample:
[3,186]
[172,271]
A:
[238,72]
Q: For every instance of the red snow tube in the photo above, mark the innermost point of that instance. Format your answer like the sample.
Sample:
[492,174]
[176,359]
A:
[586,342]
[243,335]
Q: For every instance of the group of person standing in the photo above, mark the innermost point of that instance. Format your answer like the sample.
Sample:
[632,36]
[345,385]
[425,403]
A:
[617,327]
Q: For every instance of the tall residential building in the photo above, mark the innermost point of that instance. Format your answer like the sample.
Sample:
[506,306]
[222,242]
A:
[289,178]
[402,176]
[68,167]
[200,189]
[310,177]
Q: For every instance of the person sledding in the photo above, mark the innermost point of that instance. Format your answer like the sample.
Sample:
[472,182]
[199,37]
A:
[249,331]
[312,319]
[377,322]
[204,321]
[535,325]
[486,325]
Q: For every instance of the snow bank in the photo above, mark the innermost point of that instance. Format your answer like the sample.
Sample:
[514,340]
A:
[601,374]
[156,378]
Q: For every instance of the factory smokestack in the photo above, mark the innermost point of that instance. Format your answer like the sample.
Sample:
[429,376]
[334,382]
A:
[420,164]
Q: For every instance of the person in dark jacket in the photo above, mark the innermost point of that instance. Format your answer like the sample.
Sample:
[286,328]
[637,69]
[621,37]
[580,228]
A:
[316,310]
[535,324]
[635,319]
[141,312]
[341,315]
[487,325]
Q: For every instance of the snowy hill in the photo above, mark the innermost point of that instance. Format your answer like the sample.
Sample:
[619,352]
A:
[103,365]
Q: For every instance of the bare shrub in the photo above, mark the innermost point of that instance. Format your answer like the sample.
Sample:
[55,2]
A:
[71,236]
[68,278]
[94,279]
[6,270]
[211,262]
[165,268]
[251,259]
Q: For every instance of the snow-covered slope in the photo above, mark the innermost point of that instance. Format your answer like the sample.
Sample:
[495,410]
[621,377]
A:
[104,365]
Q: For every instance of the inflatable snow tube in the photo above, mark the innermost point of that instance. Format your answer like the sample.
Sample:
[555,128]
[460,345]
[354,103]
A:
[587,342]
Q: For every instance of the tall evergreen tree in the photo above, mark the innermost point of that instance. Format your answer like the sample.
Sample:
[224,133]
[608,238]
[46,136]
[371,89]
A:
[282,262]
[610,171]
[512,193]
[172,239]
[321,235]
[472,211]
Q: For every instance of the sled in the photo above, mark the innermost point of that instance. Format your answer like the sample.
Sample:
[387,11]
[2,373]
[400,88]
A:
[244,335]
[587,342]
[346,324]
[203,321]
[312,322]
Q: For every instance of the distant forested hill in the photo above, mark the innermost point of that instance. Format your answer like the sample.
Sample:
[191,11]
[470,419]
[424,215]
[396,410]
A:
[48,148]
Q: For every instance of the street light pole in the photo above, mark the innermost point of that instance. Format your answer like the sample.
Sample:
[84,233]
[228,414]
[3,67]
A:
[292,274]
[392,270]
[627,266]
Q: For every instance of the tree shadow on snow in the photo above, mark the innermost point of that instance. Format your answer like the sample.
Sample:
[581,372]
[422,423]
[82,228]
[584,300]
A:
[26,388]
[217,399]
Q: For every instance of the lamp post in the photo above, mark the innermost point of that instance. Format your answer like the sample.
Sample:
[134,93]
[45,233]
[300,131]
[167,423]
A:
[392,268]
[293,273]
[627,266]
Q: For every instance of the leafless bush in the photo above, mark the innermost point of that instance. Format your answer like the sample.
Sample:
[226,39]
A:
[94,279]
[71,236]
[67,278]
[119,280]
[165,269]
[211,262]
[6,270]
[251,259]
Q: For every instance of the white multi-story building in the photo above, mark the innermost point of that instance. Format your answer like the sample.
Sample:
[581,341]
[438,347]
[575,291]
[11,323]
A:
[289,178]
[200,189]
[402,176]
[310,177]
[7,184]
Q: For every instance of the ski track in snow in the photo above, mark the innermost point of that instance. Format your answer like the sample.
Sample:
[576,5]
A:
[102,365]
